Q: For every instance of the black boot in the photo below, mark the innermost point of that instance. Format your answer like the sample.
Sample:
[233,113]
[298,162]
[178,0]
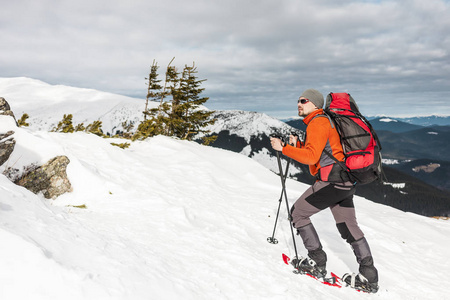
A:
[360,283]
[316,265]
[367,279]
[308,266]
[365,260]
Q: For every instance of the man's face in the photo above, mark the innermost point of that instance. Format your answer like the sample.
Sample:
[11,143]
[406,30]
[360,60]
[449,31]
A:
[305,107]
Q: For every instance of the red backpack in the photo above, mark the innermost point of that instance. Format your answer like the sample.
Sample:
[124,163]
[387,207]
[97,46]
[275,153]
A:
[359,141]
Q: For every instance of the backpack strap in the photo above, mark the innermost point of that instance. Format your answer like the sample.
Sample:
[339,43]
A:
[328,153]
[325,115]
[340,163]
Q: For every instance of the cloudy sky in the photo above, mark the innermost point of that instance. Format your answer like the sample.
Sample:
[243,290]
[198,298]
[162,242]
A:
[257,55]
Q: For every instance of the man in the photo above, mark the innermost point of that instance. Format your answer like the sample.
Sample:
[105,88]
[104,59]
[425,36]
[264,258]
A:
[331,189]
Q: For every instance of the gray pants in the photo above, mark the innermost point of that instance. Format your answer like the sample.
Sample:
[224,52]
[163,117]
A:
[339,198]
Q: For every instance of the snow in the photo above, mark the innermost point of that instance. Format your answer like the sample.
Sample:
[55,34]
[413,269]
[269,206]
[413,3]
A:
[389,161]
[387,120]
[395,185]
[242,123]
[47,104]
[270,162]
[172,219]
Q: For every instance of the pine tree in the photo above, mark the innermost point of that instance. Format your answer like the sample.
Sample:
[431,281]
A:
[95,128]
[154,125]
[174,117]
[154,88]
[65,125]
[164,92]
[80,127]
[127,130]
[182,117]
[23,121]
[191,117]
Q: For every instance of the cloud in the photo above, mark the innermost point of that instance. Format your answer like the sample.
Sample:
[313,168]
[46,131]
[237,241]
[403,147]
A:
[255,55]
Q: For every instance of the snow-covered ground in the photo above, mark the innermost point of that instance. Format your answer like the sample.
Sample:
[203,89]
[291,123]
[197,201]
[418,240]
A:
[171,219]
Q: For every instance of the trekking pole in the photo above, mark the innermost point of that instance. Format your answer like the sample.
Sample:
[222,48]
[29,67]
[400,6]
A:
[287,203]
[283,185]
[272,239]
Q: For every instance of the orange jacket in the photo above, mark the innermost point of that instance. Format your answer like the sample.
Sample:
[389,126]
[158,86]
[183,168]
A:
[319,135]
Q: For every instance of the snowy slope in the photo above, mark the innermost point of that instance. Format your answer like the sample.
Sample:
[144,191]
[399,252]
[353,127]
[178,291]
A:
[47,104]
[171,219]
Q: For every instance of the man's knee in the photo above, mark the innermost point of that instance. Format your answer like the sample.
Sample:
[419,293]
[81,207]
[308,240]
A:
[345,232]
[299,218]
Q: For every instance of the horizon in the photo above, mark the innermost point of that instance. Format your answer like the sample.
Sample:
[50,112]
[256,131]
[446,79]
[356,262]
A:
[291,117]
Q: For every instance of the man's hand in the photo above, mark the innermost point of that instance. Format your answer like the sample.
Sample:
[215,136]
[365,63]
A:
[293,140]
[276,143]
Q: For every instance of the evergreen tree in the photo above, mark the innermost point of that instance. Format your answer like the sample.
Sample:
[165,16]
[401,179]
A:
[80,127]
[174,117]
[23,121]
[164,92]
[190,117]
[127,130]
[154,88]
[95,128]
[154,125]
[182,117]
[65,125]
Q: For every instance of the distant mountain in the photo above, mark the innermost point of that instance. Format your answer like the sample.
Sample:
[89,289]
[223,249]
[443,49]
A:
[393,125]
[434,172]
[419,121]
[297,123]
[382,123]
[427,142]
[428,121]
[407,193]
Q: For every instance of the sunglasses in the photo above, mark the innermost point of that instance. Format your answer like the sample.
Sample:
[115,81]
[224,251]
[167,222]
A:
[303,101]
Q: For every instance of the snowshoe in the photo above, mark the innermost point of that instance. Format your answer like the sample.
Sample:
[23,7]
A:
[309,266]
[360,283]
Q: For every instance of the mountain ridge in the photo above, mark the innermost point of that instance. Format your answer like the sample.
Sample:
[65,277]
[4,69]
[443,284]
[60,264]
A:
[239,131]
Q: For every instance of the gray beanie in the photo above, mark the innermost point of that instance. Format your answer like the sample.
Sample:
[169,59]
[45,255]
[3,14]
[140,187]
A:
[314,96]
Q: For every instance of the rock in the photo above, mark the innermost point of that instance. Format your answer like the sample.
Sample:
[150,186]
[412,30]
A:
[5,109]
[50,179]
[6,146]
